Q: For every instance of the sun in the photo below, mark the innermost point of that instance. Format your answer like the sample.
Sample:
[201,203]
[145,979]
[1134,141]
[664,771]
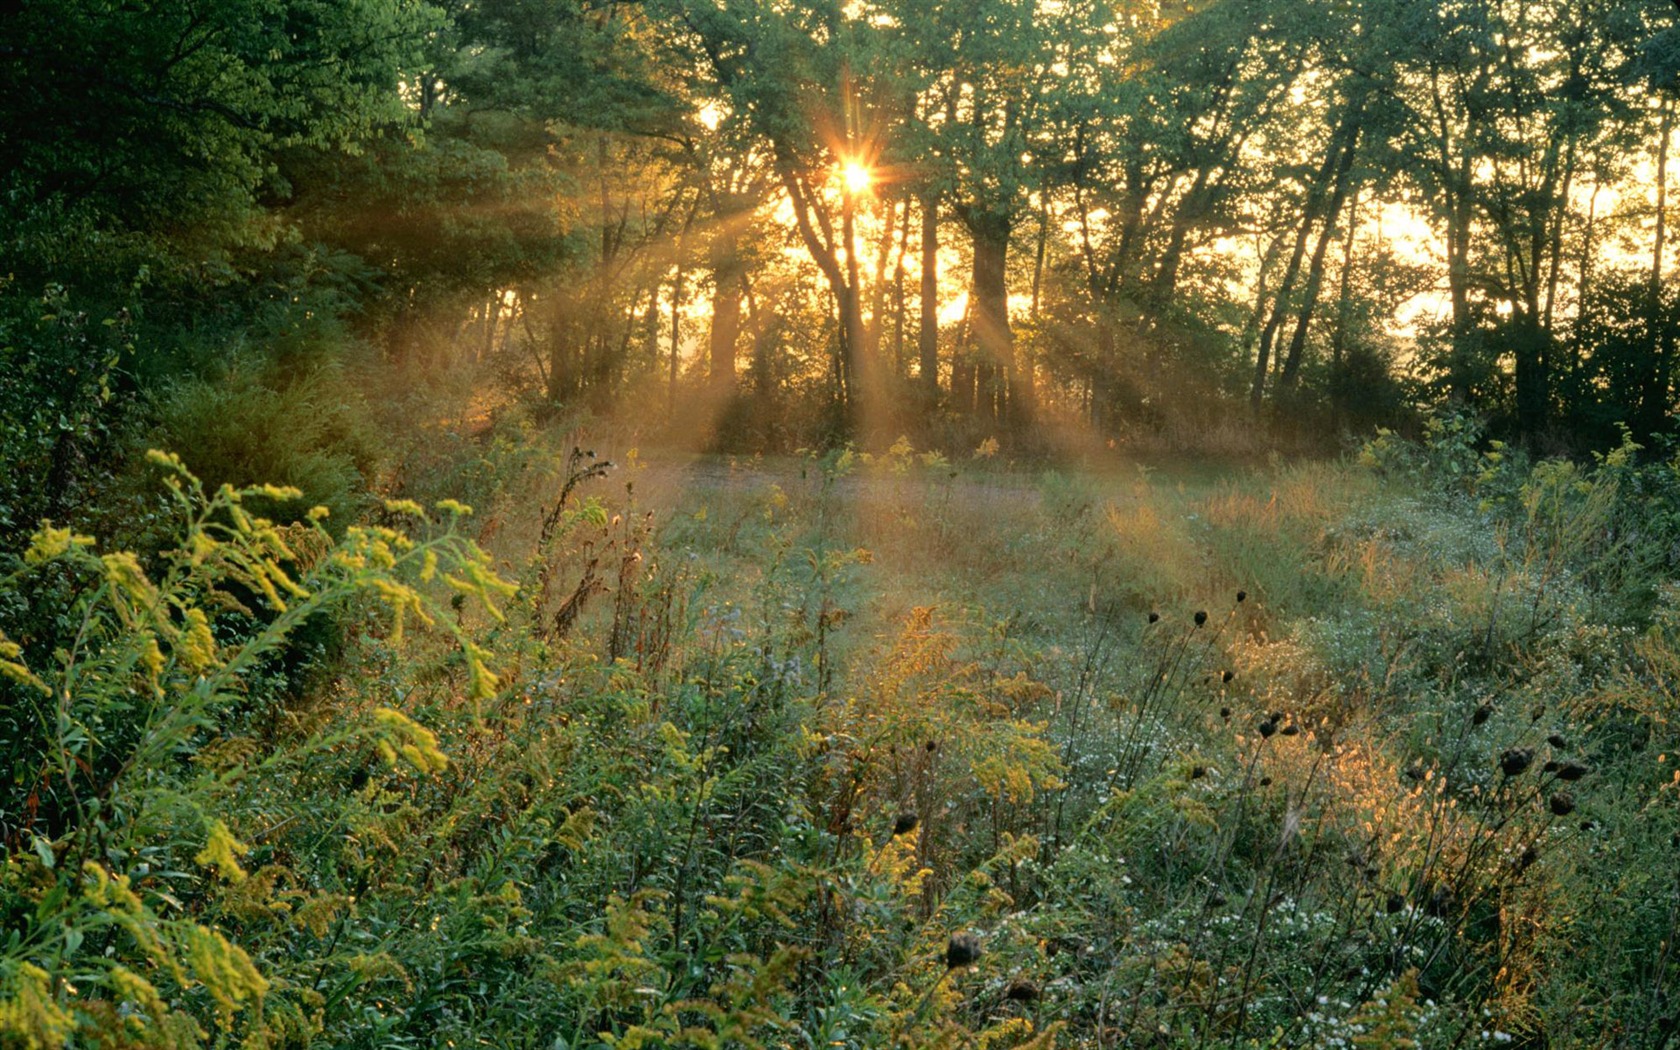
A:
[856,176]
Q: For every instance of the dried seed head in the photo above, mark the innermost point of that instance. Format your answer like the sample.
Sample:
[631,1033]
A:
[1563,803]
[1267,728]
[1200,617]
[1242,596]
[1225,713]
[1265,782]
[1198,772]
[1557,740]
[904,824]
[1483,713]
[1021,990]
[963,949]
[1572,771]
[1290,730]
[1154,617]
[932,745]
[1515,760]
[1216,900]
[1226,676]
[1552,766]
[1394,903]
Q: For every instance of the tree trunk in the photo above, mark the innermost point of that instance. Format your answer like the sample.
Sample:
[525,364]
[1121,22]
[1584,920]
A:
[989,297]
[1338,157]
[927,338]
[1290,374]
[1653,397]
[855,385]
[729,274]
[901,367]
[562,331]
[962,364]
[1533,383]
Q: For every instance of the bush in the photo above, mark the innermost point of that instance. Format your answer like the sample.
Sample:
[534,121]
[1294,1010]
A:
[135,878]
[311,434]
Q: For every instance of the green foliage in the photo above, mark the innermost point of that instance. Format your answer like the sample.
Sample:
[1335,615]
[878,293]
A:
[313,434]
[131,714]
[154,118]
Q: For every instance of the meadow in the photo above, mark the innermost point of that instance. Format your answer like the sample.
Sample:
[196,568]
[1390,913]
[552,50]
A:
[900,749]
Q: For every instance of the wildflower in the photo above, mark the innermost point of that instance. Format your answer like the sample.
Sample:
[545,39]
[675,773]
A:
[1201,617]
[1021,990]
[904,824]
[1515,760]
[1563,803]
[963,949]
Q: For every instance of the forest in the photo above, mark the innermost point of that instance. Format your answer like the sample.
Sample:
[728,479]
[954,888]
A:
[979,524]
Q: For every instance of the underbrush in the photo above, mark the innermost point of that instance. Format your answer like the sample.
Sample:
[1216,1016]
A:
[858,751]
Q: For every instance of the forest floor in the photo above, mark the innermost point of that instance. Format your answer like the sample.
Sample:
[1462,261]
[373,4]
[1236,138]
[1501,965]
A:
[892,750]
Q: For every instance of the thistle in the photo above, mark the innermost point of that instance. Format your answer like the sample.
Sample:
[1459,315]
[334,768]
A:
[1514,761]
[963,949]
